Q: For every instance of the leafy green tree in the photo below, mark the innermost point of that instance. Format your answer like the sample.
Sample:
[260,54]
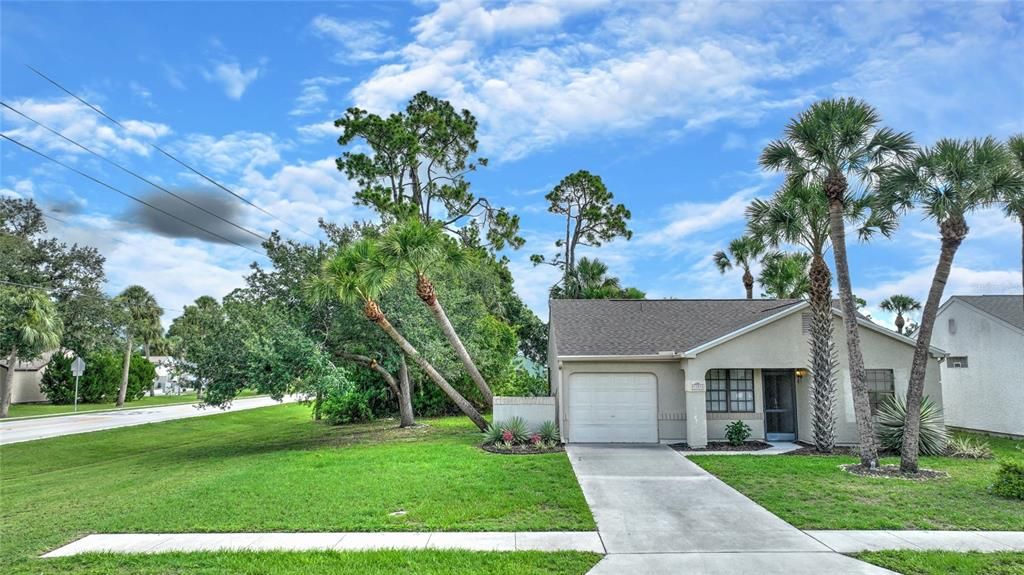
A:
[827,144]
[1014,199]
[29,327]
[591,219]
[745,251]
[418,167]
[72,274]
[419,247]
[100,381]
[358,274]
[945,182]
[784,275]
[900,304]
[140,313]
[590,280]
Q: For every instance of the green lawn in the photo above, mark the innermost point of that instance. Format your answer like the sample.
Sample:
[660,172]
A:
[41,409]
[273,469]
[947,562]
[813,493]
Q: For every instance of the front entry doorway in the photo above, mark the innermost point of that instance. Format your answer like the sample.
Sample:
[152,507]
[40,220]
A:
[779,404]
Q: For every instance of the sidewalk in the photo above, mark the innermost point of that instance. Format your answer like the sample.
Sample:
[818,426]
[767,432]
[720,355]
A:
[857,541]
[477,541]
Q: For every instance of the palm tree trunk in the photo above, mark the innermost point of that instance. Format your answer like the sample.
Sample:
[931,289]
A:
[405,396]
[953,234]
[748,283]
[1020,217]
[123,392]
[465,406]
[425,290]
[899,322]
[823,357]
[835,189]
[7,385]
[152,385]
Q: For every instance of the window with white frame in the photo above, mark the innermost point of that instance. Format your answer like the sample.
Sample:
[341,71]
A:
[957,361]
[729,390]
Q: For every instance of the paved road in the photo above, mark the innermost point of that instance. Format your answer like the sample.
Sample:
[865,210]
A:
[42,428]
[657,512]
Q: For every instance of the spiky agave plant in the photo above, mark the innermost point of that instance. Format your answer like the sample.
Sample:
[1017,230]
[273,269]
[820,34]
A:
[892,414]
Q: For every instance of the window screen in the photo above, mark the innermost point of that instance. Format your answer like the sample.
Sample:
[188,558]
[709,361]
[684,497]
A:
[880,383]
[730,390]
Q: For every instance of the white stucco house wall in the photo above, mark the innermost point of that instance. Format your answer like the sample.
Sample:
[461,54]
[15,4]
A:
[983,378]
[646,371]
[27,377]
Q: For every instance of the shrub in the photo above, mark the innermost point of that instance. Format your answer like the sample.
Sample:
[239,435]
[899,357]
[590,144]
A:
[492,435]
[737,432]
[57,384]
[515,428]
[891,416]
[1010,479]
[343,402]
[548,432]
[968,448]
[101,379]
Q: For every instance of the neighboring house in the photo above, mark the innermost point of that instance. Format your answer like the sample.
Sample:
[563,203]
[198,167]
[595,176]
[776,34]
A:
[27,376]
[983,377]
[645,371]
[166,380]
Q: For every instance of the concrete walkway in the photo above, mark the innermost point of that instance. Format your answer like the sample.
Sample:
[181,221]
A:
[31,429]
[658,512]
[857,541]
[478,541]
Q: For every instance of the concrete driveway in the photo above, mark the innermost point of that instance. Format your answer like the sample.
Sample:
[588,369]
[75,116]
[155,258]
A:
[657,512]
[41,428]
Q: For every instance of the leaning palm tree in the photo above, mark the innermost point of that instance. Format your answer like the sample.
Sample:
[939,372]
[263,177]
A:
[899,305]
[798,215]
[419,247]
[359,274]
[29,327]
[140,313]
[827,144]
[945,182]
[1014,201]
[745,251]
[784,275]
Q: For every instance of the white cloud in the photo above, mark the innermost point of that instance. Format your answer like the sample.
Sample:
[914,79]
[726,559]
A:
[471,19]
[734,141]
[20,188]
[232,77]
[319,131]
[314,94]
[683,220]
[81,124]
[234,152]
[359,40]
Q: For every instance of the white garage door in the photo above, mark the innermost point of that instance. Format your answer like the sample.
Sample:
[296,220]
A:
[613,408]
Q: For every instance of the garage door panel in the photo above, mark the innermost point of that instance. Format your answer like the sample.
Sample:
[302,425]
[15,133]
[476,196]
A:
[613,408]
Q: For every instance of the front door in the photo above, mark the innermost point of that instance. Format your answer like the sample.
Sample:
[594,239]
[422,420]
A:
[779,404]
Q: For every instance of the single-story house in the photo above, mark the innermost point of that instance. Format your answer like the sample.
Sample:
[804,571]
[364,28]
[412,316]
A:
[646,371]
[27,376]
[983,377]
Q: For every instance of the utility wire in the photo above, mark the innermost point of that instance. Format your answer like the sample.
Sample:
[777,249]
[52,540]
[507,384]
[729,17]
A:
[69,224]
[166,153]
[126,194]
[124,169]
[99,296]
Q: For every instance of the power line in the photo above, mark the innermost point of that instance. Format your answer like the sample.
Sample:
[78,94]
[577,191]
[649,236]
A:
[69,224]
[99,296]
[124,169]
[126,194]
[166,153]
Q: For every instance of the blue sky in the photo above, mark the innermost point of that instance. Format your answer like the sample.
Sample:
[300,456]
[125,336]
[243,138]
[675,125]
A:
[669,103]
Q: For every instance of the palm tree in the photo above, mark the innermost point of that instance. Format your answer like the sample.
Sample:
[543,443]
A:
[826,144]
[900,304]
[419,247]
[140,313]
[151,331]
[590,280]
[946,182]
[745,251]
[798,215]
[1015,200]
[29,326]
[784,275]
[359,274]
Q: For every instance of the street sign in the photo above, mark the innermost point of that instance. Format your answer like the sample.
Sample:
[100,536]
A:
[77,367]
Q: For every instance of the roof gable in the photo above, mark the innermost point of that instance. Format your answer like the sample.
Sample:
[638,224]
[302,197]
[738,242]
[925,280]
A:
[1009,308]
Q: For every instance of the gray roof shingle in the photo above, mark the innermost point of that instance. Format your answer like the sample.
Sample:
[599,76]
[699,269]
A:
[646,327]
[1009,308]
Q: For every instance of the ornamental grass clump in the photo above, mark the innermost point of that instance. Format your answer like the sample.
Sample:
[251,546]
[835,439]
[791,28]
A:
[891,417]
[968,448]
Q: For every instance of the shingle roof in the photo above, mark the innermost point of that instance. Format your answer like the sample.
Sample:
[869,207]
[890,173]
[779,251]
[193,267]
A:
[646,327]
[1009,308]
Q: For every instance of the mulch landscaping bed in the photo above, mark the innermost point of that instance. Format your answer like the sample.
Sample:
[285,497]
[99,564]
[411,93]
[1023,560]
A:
[723,446]
[522,449]
[893,472]
[848,451]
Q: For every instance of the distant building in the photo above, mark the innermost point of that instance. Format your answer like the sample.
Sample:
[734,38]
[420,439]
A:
[983,377]
[27,376]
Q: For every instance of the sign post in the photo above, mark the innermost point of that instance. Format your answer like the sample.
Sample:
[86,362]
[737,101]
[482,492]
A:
[76,369]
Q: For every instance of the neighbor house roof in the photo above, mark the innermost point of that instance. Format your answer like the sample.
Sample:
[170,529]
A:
[1009,308]
[30,365]
[648,327]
